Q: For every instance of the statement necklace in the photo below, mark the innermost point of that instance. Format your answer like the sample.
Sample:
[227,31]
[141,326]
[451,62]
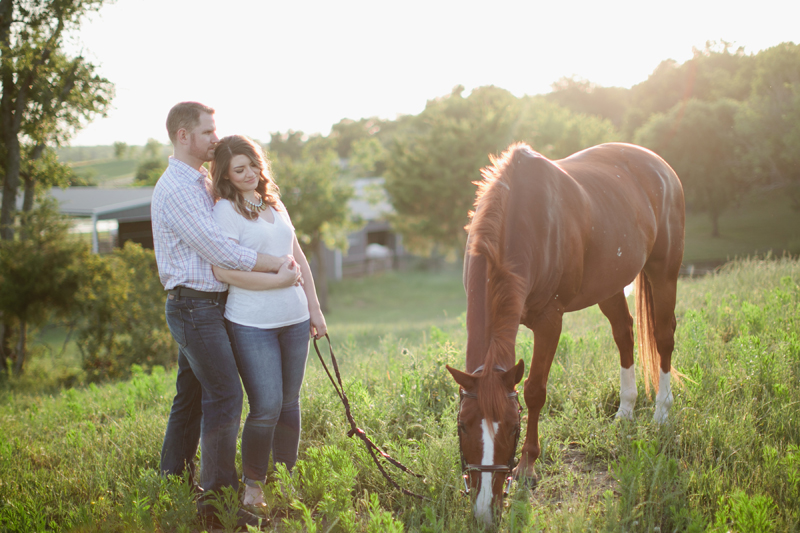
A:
[256,207]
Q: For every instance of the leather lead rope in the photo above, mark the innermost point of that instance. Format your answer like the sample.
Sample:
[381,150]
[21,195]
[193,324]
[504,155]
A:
[373,450]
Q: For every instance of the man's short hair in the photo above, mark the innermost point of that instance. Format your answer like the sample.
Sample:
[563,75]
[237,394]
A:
[185,115]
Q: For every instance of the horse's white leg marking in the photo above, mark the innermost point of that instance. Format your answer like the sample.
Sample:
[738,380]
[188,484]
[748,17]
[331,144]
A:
[483,502]
[663,398]
[627,392]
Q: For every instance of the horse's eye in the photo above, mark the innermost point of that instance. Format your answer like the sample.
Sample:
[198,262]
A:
[461,428]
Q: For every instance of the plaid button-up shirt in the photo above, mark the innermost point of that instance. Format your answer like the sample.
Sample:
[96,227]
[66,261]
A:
[187,241]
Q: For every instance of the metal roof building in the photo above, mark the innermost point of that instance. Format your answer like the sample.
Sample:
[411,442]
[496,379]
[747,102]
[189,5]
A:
[129,206]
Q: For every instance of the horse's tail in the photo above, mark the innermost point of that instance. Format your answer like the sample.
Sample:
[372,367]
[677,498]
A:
[645,332]
[646,335]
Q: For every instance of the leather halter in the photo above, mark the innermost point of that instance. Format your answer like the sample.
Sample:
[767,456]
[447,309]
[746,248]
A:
[466,468]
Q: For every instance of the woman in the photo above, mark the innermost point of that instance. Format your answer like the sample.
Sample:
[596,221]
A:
[269,316]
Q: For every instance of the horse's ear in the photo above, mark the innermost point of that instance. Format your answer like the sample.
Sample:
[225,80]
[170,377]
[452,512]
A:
[514,375]
[467,381]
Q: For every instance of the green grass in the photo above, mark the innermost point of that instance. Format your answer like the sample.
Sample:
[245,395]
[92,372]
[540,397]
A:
[763,221]
[727,460]
[396,306]
[106,170]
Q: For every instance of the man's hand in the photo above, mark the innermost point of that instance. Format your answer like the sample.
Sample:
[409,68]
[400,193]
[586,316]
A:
[289,274]
[271,263]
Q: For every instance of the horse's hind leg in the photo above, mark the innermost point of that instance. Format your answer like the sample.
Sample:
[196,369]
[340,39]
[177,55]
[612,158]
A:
[664,295]
[663,282]
[618,314]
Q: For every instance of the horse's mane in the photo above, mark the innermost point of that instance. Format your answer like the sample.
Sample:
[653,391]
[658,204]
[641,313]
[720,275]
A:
[505,290]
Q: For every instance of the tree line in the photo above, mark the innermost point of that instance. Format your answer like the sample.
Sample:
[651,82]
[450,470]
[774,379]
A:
[727,122]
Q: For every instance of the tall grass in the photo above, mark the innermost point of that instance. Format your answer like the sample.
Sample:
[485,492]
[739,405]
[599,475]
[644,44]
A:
[727,460]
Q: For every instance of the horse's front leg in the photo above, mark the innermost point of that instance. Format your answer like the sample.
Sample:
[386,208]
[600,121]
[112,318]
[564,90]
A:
[546,332]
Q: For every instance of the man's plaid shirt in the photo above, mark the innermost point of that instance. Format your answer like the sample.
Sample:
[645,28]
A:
[187,241]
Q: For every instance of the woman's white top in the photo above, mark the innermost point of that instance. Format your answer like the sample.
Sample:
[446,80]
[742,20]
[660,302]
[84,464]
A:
[272,308]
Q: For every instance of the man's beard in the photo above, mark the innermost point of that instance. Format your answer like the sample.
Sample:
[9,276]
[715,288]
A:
[196,151]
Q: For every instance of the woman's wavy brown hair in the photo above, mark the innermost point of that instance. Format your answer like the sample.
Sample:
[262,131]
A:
[225,151]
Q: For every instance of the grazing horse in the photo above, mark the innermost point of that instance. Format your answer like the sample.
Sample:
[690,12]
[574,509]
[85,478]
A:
[550,237]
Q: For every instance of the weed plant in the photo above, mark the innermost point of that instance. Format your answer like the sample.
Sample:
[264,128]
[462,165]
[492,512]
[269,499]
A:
[728,459]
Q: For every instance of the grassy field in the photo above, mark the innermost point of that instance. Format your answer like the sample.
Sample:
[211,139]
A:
[84,459]
[763,221]
[104,171]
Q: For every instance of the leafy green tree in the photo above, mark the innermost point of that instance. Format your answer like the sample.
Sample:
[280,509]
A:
[368,157]
[347,133]
[584,97]
[46,93]
[434,161]
[557,132]
[287,145]
[699,141]
[148,171]
[717,71]
[152,164]
[121,304]
[770,120]
[317,200]
[40,274]
[438,155]
[120,149]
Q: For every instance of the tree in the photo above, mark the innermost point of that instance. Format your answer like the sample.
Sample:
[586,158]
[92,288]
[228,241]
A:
[770,120]
[287,145]
[584,97]
[317,200]
[40,275]
[717,71]
[434,161]
[556,131]
[46,94]
[699,141]
[152,164]
[438,154]
[347,133]
[121,307]
[368,158]
[120,150]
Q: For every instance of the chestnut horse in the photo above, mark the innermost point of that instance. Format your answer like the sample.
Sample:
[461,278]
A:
[550,237]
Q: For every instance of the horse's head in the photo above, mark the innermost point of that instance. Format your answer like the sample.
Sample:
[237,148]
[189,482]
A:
[488,445]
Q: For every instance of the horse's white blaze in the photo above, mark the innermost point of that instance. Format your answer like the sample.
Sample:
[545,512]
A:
[483,502]
[663,398]
[627,392]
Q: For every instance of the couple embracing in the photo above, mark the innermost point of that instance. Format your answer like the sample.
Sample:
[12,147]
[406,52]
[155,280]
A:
[240,303]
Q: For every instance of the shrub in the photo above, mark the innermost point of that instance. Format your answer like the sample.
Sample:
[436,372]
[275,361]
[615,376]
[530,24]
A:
[123,308]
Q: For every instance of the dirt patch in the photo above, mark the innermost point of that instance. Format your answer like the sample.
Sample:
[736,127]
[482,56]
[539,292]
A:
[573,478]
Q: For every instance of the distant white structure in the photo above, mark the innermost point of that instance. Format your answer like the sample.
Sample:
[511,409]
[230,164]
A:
[375,246]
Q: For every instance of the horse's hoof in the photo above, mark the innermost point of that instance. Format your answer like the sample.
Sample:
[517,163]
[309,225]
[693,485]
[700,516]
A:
[529,483]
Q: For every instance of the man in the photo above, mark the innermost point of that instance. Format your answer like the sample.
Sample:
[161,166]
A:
[208,403]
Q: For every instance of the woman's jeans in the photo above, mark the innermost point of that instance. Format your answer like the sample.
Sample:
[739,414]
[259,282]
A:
[208,403]
[272,363]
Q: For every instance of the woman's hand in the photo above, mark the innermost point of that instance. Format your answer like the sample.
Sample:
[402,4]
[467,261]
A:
[318,326]
[289,274]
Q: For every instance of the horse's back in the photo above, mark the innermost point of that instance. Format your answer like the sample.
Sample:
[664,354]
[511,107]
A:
[608,210]
[636,212]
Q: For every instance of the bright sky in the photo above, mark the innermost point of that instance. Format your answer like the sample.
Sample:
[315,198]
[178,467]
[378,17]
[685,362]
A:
[268,65]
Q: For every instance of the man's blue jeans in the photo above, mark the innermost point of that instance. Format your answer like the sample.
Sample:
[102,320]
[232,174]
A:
[272,363]
[208,403]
